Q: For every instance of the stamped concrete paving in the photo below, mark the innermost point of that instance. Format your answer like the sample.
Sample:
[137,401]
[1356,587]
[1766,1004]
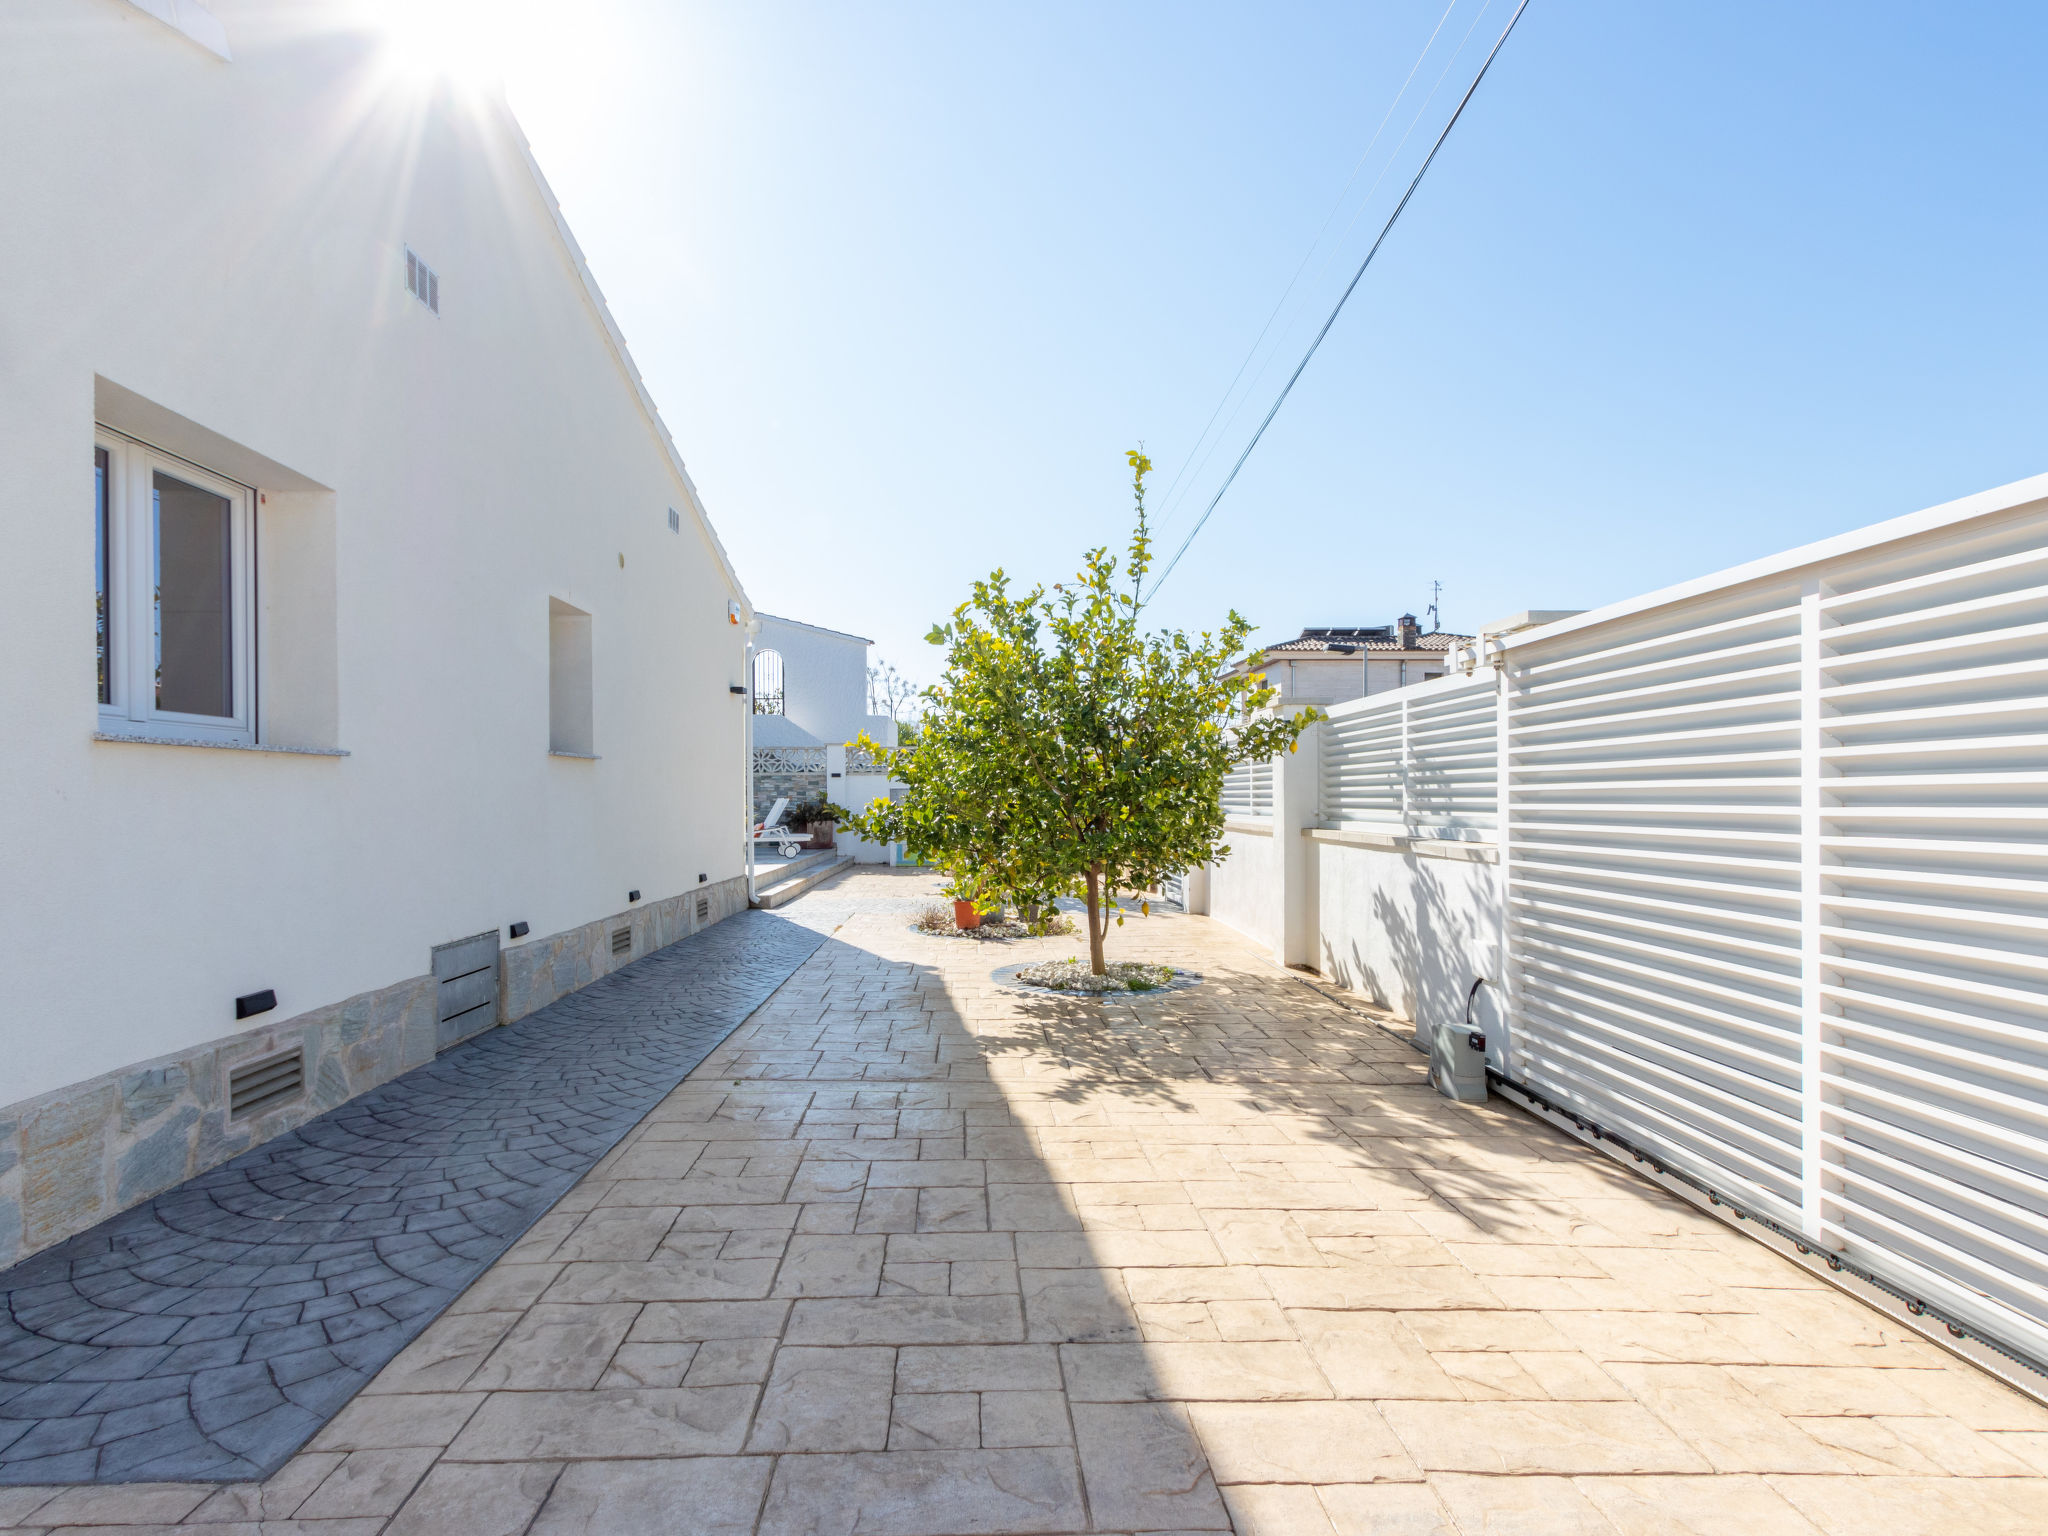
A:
[209,1331]
[914,1256]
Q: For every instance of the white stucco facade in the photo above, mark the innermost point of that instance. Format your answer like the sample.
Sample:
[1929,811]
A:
[824,679]
[209,255]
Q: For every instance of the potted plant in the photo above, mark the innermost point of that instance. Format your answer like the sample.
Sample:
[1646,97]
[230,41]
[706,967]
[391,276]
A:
[965,889]
[820,818]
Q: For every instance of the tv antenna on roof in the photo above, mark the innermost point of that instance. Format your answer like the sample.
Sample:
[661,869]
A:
[1436,619]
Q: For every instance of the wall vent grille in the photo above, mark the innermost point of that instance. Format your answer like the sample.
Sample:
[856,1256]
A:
[422,282]
[622,941]
[264,1084]
[703,908]
[675,521]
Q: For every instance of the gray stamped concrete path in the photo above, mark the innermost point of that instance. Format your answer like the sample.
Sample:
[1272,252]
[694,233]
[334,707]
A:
[208,1332]
[912,1255]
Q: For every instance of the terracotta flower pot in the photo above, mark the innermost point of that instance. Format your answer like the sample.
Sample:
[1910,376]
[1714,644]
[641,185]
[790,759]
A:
[964,915]
[821,834]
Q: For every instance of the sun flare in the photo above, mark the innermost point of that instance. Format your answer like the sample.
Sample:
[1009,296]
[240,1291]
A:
[461,42]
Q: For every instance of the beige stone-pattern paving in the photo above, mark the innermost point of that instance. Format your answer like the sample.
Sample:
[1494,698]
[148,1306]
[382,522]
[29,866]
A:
[914,1255]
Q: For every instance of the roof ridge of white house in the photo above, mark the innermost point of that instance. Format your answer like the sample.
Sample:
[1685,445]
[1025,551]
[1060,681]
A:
[620,351]
[816,629]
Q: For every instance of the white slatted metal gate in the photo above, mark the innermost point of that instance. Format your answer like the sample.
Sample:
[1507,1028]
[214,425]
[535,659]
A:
[1776,886]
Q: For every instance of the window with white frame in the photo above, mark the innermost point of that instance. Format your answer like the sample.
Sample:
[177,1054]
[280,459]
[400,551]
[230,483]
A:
[174,562]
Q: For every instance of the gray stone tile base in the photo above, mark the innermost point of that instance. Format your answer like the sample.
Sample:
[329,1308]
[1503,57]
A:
[207,1333]
[72,1158]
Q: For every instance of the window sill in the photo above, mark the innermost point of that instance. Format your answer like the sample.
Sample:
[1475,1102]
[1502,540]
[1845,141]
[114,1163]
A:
[227,746]
[581,757]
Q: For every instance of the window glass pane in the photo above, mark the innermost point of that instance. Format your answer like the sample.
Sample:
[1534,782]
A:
[194,542]
[99,497]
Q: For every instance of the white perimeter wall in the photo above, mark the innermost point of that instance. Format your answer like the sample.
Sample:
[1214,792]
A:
[1245,890]
[1409,931]
[226,240]
[856,791]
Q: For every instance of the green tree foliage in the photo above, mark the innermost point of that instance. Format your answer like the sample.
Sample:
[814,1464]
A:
[1066,751]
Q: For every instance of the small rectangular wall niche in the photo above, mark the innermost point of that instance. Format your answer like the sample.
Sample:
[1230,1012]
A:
[570,729]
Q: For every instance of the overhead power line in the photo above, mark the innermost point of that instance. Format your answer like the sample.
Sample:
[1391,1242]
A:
[1387,229]
[1171,500]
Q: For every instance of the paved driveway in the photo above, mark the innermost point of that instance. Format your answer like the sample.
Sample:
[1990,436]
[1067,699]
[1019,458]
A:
[911,1255]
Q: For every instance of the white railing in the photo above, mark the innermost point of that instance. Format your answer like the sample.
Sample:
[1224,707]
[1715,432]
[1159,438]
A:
[861,761]
[1248,789]
[1421,760]
[1777,896]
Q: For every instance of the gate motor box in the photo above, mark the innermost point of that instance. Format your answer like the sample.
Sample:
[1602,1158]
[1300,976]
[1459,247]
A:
[1457,1064]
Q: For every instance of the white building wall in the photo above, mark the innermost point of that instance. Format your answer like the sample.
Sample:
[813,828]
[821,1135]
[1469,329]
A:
[824,677]
[1337,679]
[227,241]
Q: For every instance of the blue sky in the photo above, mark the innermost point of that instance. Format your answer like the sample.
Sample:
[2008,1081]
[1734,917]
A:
[1689,285]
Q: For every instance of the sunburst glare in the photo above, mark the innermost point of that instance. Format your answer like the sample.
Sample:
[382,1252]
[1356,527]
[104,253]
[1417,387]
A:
[464,43]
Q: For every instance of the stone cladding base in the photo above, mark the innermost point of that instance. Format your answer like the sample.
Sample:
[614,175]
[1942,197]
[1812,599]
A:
[71,1158]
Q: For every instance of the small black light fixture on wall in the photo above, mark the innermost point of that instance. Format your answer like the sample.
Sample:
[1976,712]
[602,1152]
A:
[520,930]
[249,1004]
[632,895]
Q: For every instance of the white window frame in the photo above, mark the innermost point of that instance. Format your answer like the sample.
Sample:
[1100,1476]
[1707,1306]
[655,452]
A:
[131,600]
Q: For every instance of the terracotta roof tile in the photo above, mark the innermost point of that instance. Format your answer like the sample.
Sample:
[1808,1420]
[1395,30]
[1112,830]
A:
[1348,642]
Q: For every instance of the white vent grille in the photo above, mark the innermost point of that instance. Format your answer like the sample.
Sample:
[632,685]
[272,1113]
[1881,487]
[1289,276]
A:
[423,282]
[622,941]
[264,1084]
[675,521]
[703,908]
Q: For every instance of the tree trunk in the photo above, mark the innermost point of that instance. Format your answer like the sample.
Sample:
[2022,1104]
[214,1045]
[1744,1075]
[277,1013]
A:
[1095,925]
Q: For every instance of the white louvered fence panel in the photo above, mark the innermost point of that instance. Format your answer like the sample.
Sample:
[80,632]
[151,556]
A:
[1421,761]
[1777,899]
[1248,789]
[1654,897]
[1452,755]
[1934,918]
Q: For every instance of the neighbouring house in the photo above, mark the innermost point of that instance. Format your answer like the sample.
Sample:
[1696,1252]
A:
[810,694]
[1330,666]
[417,697]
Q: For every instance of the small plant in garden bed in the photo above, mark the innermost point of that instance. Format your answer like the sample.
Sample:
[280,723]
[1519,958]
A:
[938,920]
[1074,975]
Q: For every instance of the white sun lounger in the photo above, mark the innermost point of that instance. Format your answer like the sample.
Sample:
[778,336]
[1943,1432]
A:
[769,829]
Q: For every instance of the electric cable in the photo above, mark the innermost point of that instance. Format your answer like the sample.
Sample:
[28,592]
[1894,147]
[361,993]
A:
[1167,502]
[1173,501]
[1342,298]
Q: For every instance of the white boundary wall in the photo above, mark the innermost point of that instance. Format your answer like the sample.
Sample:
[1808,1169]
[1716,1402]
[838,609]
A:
[1772,895]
